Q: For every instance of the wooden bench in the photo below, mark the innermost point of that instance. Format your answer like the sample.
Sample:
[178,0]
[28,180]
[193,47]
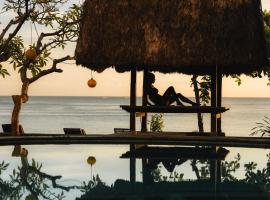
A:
[174,109]
[166,133]
[177,152]
[7,129]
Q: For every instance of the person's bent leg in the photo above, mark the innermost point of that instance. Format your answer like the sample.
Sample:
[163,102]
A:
[185,99]
[171,96]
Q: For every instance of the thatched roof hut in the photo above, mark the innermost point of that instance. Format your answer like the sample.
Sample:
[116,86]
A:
[191,36]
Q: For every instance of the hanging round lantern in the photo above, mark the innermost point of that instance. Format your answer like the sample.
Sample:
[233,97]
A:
[24,152]
[31,54]
[92,83]
[91,160]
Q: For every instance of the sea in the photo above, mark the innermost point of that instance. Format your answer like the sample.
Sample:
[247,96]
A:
[100,115]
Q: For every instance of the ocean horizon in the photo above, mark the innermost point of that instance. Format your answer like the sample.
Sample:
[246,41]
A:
[100,115]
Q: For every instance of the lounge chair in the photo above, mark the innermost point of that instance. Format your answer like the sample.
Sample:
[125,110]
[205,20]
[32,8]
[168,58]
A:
[74,131]
[7,129]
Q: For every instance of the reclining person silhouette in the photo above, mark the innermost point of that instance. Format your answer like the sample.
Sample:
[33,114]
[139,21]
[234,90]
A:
[168,98]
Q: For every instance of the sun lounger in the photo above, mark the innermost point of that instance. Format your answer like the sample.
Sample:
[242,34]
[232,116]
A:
[7,129]
[74,131]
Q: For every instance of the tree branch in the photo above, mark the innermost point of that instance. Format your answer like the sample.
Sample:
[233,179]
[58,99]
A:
[43,35]
[51,70]
[195,169]
[11,22]
[26,170]
[51,178]
[18,27]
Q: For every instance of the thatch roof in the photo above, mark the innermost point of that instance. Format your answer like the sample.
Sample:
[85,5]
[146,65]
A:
[187,36]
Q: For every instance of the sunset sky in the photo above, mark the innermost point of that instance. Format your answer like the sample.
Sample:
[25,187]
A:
[73,81]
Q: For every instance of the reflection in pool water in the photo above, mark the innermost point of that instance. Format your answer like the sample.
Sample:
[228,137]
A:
[158,177]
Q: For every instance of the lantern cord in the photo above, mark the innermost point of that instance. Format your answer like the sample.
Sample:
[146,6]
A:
[91,174]
[31,34]
[36,29]
[91,74]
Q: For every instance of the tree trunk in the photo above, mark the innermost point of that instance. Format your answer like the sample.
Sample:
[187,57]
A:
[197,99]
[18,100]
[200,122]
[15,114]
[195,169]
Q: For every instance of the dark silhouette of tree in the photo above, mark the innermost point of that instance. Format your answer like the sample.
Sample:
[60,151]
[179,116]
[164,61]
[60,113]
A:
[38,60]
[29,178]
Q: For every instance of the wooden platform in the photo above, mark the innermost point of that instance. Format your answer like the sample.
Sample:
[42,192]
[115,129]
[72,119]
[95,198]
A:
[178,134]
[126,139]
[164,153]
[174,109]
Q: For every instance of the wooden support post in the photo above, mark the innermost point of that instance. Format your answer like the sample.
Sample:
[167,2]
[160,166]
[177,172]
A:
[133,80]
[144,124]
[145,171]
[213,101]
[219,129]
[133,121]
[144,100]
[213,164]
[219,97]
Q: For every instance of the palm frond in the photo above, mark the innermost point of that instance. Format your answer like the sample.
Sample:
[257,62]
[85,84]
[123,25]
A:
[262,128]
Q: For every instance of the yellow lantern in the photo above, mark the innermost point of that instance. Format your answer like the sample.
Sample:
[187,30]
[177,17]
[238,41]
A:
[92,83]
[31,54]
[91,160]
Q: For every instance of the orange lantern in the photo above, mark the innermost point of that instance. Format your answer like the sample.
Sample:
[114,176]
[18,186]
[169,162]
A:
[92,83]
[91,160]
[31,54]
[24,152]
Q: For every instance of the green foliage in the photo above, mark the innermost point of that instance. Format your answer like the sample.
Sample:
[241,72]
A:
[236,78]
[11,49]
[3,72]
[40,11]
[35,66]
[3,166]
[266,19]
[258,177]
[204,89]
[28,178]
[59,28]
[262,128]
[228,168]
[96,186]
[156,124]
[173,177]
[204,169]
